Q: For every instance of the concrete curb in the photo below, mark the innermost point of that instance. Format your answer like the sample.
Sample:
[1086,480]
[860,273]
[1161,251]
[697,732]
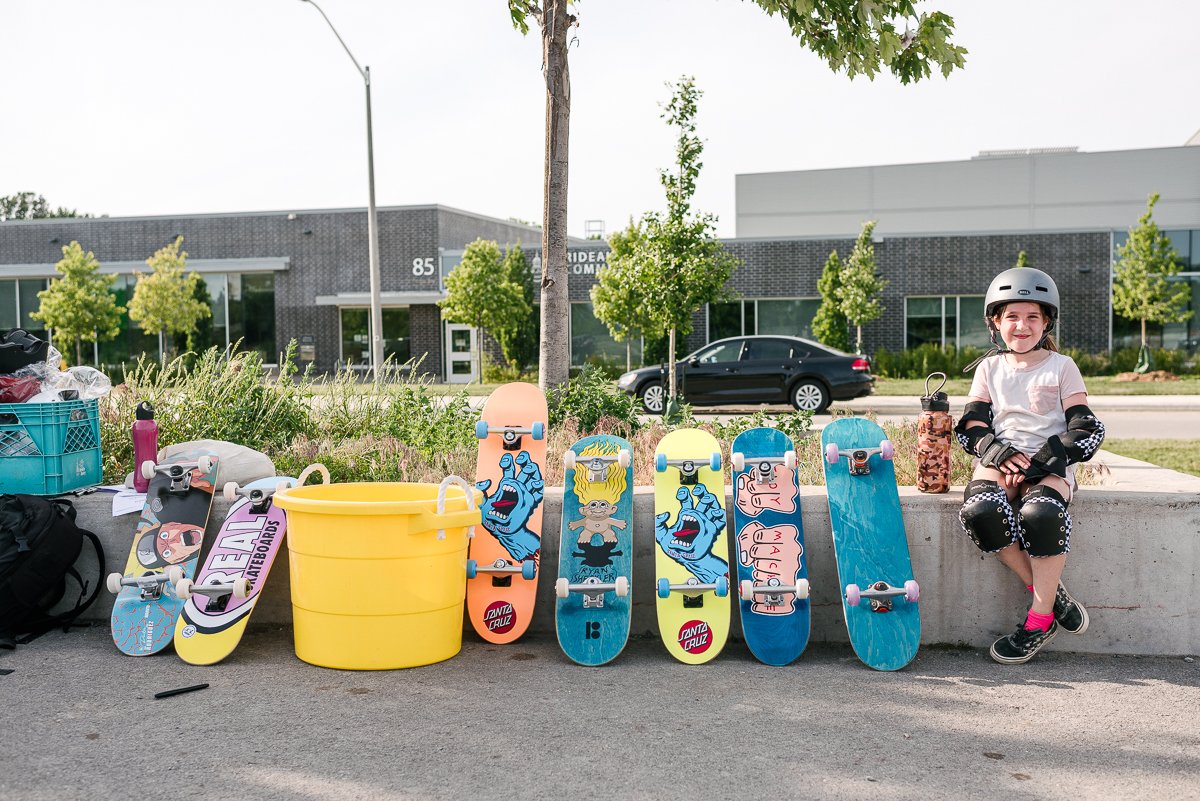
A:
[1135,562]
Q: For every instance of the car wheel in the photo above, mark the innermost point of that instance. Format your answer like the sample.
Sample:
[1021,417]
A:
[653,397]
[810,396]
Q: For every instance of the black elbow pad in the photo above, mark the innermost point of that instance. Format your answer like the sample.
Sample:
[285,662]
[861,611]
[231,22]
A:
[969,438]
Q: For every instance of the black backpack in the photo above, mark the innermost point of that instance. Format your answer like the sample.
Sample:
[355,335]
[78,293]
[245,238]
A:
[39,545]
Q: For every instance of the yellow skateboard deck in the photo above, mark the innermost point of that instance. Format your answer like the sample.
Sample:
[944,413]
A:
[691,558]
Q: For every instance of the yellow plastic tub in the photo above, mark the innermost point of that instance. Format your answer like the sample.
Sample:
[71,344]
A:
[378,571]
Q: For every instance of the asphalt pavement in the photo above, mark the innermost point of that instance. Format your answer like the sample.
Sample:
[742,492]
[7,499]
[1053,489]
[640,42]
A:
[520,721]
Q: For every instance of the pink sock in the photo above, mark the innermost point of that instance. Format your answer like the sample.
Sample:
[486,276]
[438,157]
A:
[1029,587]
[1036,621]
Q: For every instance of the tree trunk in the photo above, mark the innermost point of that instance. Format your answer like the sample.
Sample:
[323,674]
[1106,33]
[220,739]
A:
[78,351]
[858,342]
[1143,333]
[671,364]
[628,355]
[554,358]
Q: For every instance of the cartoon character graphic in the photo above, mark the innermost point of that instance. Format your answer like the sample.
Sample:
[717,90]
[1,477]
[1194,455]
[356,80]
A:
[169,544]
[599,499]
[777,494]
[597,519]
[690,541]
[509,507]
[773,553]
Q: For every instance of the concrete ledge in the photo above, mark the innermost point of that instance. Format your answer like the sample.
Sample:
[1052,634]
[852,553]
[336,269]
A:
[1134,564]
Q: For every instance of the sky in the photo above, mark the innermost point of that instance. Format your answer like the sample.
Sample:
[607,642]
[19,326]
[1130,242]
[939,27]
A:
[163,107]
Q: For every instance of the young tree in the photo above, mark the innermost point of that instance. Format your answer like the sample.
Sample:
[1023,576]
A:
[1142,286]
[861,37]
[684,265]
[480,293]
[1022,259]
[199,337]
[79,306]
[519,343]
[619,294]
[830,325]
[861,285]
[164,302]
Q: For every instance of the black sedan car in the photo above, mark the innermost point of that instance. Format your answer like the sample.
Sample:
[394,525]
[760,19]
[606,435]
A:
[757,369]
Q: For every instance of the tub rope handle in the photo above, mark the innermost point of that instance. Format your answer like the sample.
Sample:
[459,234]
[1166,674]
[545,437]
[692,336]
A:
[468,491]
[308,471]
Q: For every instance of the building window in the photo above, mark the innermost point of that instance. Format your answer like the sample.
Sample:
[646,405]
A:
[785,316]
[356,342]
[251,313]
[591,342]
[945,320]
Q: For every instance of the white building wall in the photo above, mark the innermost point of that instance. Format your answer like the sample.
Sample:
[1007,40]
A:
[1026,192]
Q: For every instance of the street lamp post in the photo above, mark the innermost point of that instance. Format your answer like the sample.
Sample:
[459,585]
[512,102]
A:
[376,328]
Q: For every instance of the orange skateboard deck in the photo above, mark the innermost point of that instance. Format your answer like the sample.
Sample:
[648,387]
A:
[503,559]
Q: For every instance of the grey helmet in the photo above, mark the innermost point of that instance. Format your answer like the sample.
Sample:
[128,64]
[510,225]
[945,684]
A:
[1022,284]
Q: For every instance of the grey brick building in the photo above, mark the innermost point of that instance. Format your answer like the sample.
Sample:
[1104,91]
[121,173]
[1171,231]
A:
[944,230]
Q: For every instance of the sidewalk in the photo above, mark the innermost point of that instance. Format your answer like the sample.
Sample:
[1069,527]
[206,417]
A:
[520,721]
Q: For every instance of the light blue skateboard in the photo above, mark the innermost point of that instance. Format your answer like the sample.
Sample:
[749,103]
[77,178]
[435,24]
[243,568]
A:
[595,557]
[879,593]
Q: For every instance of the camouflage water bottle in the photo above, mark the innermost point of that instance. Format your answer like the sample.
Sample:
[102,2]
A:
[935,433]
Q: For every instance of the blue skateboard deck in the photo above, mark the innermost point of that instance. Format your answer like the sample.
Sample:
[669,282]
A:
[595,556]
[166,548]
[879,594]
[772,570]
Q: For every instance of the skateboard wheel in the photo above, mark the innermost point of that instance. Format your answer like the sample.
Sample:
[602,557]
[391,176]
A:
[230,491]
[664,588]
[560,588]
[481,429]
[853,594]
[183,589]
[801,589]
[569,460]
[471,571]
[114,582]
[738,460]
[241,587]
[147,469]
[886,449]
[912,590]
[528,570]
[174,574]
[789,460]
[660,462]
[746,590]
[714,461]
[624,458]
[205,463]
[622,588]
[722,587]
[831,453]
[538,430]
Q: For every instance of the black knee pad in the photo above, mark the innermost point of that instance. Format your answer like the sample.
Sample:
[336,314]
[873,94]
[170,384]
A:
[988,517]
[1045,522]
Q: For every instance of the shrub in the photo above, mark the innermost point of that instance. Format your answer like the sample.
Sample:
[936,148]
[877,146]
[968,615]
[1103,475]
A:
[589,397]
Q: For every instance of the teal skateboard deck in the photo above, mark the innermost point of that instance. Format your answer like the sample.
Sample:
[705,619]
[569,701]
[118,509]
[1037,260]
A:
[595,556]
[879,594]
[772,570]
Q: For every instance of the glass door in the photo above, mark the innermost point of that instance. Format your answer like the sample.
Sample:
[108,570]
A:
[460,354]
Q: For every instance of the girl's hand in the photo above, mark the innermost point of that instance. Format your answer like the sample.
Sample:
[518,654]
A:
[1016,465]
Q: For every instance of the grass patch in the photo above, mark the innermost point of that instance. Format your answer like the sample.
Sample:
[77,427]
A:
[1174,454]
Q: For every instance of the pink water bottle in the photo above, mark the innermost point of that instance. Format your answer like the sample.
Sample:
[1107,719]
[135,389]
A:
[145,443]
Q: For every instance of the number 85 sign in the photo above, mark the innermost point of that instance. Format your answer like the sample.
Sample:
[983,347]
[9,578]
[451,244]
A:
[426,266]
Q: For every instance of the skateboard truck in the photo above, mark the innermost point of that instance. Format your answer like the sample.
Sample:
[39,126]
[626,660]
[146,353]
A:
[693,587]
[597,465]
[763,467]
[260,499]
[689,469]
[180,473]
[858,460]
[593,590]
[510,435]
[773,593]
[502,568]
[150,583]
[217,592]
[881,594]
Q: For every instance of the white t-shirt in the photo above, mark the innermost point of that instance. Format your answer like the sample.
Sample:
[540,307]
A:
[1027,402]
